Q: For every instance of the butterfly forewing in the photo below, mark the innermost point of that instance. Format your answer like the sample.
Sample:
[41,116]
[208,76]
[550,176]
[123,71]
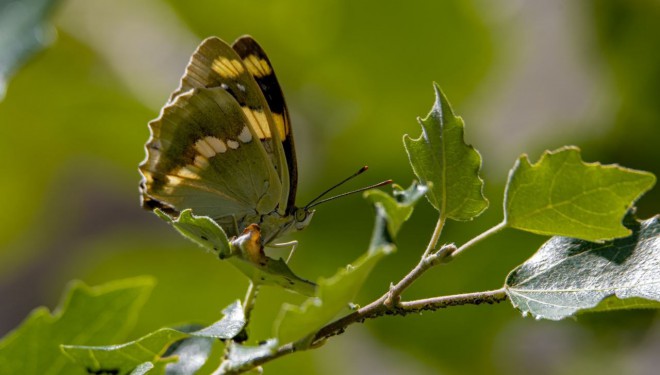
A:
[216,64]
[203,155]
[258,64]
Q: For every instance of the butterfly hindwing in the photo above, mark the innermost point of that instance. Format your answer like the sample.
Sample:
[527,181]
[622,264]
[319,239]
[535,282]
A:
[258,64]
[204,155]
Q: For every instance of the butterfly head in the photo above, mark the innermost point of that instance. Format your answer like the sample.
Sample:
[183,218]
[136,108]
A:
[302,217]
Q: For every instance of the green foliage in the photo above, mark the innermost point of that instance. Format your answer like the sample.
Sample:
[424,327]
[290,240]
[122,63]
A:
[153,348]
[397,207]
[86,316]
[568,275]
[239,355]
[335,293]
[201,230]
[441,159]
[205,232]
[562,195]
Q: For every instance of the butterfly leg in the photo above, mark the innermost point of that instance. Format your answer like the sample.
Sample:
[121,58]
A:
[292,244]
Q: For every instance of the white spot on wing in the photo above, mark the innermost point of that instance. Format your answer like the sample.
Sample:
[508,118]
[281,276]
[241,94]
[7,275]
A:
[245,135]
[204,148]
[240,87]
[218,145]
[232,144]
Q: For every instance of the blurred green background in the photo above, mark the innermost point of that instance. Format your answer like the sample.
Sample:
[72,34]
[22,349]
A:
[525,75]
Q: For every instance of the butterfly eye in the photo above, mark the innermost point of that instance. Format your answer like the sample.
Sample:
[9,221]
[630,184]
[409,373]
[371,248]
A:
[303,217]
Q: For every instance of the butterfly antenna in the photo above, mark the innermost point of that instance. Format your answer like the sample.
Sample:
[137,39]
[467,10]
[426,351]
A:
[316,202]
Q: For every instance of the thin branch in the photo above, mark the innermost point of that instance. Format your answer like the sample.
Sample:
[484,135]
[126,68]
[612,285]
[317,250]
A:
[427,262]
[250,300]
[373,311]
[499,227]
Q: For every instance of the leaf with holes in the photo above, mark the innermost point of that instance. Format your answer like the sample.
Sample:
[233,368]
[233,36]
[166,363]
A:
[562,195]
[441,159]
[568,275]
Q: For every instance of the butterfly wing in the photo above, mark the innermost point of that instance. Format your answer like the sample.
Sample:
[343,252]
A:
[204,154]
[216,64]
[258,64]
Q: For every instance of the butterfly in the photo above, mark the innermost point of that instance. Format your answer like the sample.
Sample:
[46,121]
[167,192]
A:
[223,146]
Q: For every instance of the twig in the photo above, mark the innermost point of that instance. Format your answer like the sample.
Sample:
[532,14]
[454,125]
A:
[374,310]
[250,300]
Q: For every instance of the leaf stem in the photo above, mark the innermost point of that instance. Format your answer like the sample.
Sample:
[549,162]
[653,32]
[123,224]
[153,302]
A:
[250,300]
[435,236]
[497,228]
[428,260]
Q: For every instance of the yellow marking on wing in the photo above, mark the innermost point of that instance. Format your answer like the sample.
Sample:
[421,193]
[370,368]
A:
[257,67]
[259,122]
[227,68]
[279,124]
[187,172]
[201,162]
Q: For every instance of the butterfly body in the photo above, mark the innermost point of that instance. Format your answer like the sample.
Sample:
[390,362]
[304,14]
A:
[223,147]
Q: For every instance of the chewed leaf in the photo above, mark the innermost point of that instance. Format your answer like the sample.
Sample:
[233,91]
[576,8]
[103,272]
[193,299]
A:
[562,195]
[86,315]
[442,160]
[397,207]
[567,275]
[157,347]
[202,230]
[333,295]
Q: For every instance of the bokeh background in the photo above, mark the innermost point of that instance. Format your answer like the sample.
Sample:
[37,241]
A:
[525,75]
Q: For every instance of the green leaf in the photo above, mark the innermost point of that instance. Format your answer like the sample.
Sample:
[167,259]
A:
[157,347]
[124,358]
[23,32]
[397,207]
[86,315]
[568,275]
[562,195]
[240,357]
[201,230]
[442,160]
[333,295]
[275,273]
[207,233]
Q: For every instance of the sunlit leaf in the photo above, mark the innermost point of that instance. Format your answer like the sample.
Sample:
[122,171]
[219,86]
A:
[86,315]
[333,296]
[397,207]
[201,230]
[157,347]
[441,159]
[562,195]
[568,275]
[266,271]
